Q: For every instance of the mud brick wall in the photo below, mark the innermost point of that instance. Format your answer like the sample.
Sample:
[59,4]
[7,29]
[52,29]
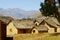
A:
[2,31]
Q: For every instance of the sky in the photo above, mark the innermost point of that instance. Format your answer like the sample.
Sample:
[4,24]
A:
[22,4]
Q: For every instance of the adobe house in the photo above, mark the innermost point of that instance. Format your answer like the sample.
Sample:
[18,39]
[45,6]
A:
[2,30]
[48,22]
[52,24]
[24,26]
[39,20]
[3,23]
[19,27]
[55,24]
[39,29]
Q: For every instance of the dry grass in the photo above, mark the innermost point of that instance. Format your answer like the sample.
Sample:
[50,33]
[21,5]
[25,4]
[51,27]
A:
[36,37]
[28,36]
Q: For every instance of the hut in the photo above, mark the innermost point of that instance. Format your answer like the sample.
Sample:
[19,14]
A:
[2,30]
[11,29]
[19,27]
[48,22]
[3,23]
[53,23]
[39,21]
[39,29]
[24,26]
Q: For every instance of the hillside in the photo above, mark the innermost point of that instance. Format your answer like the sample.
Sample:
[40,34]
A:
[36,15]
[16,13]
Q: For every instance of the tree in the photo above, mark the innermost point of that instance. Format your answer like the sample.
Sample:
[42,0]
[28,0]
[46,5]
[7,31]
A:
[59,2]
[47,9]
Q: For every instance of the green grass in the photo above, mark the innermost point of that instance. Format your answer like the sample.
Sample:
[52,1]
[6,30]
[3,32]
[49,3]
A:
[36,37]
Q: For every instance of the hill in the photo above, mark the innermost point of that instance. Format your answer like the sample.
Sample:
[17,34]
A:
[36,15]
[16,13]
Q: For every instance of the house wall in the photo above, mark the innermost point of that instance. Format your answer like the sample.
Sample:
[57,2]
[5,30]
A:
[58,30]
[2,31]
[28,30]
[36,23]
[43,32]
[11,29]
[47,26]
[9,38]
[50,30]
[20,31]
[36,31]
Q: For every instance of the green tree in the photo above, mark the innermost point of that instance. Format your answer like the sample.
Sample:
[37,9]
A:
[59,2]
[47,9]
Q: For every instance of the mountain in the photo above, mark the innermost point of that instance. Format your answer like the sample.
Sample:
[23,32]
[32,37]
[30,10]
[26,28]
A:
[36,15]
[16,13]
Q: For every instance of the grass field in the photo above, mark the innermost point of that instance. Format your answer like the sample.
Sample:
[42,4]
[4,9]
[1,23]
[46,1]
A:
[51,37]
[36,37]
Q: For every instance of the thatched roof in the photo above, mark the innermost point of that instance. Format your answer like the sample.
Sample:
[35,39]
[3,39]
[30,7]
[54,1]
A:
[5,19]
[25,24]
[39,20]
[41,28]
[51,22]
[55,20]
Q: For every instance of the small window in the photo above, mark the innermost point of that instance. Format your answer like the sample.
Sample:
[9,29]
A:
[10,30]
[33,31]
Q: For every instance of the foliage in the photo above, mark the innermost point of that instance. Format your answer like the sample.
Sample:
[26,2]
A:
[47,9]
[26,18]
[23,18]
[59,2]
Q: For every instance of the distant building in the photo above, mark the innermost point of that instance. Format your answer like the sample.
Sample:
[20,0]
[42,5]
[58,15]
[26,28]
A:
[40,25]
[2,30]
[19,27]
[39,29]
[4,21]
[49,23]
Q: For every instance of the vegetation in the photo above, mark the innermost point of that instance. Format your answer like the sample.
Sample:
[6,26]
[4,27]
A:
[36,37]
[28,36]
[26,19]
[47,9]
[59,2]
